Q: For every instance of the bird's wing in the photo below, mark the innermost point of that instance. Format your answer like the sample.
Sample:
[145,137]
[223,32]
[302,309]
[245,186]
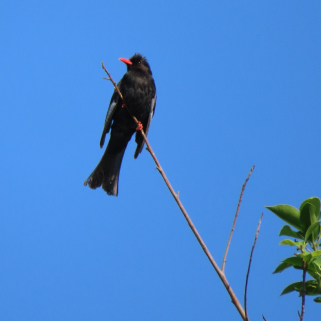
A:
[139,137]
[151,114]
[110,113]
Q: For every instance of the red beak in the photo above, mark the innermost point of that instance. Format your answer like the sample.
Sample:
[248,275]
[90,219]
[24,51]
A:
[126,61]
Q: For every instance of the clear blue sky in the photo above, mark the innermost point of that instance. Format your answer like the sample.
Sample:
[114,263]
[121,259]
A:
[238,83]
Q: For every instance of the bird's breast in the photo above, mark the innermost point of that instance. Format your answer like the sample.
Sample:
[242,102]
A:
[138,93]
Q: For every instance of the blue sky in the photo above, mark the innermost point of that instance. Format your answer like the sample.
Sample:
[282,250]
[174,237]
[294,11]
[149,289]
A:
[238,84]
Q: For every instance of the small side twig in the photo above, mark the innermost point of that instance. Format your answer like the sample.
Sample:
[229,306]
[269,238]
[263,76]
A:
[111,79]
[221,275]
[248,270]
[235,218]
[263,318]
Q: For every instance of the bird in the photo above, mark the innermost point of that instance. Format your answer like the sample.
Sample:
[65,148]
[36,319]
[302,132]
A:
[138,89]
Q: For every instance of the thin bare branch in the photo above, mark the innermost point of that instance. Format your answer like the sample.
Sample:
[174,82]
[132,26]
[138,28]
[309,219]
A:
[263,318]
[111,79]
[303,292]
[235,218]
[248,270]
[189,221]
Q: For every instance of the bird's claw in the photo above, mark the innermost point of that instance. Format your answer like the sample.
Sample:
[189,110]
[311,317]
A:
[139,126]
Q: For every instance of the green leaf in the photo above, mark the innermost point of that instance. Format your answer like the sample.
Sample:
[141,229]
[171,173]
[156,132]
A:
[306,256]
[314,268]
[313,274]
[292,287]
[294,261]
[307,216]
[318,288]
[291,243]
[282,267]
[287,213]
[316,253]
[316,202]
[287,231]
[317,260]
[287,242]
[317,300]
[310,288]
[315,228]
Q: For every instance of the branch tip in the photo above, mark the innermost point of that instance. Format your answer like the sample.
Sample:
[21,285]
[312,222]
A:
[235,218]
[248,270]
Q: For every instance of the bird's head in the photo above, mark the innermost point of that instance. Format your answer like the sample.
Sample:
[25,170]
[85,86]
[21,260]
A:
[137,62]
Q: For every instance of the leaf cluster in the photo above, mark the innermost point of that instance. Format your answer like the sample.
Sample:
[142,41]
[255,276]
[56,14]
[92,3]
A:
[307,236]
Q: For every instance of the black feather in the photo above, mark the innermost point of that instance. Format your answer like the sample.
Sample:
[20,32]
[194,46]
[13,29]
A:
[139,92]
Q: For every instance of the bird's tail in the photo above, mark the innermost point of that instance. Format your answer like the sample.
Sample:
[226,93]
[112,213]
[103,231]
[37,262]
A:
[106,174]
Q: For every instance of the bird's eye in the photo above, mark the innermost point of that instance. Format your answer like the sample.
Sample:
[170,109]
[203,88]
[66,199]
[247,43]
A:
[139,62]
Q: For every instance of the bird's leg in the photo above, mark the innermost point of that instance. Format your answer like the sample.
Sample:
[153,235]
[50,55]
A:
[139,126]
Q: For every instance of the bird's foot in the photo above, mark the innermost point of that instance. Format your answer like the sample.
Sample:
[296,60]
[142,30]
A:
[123,105]
[139,126]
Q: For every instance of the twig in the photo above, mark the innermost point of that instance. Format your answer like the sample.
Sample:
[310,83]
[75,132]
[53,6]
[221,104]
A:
[111,79]
[263,318]
[189,221]
[248,270]
[303,292]
[235,218]
[121,96]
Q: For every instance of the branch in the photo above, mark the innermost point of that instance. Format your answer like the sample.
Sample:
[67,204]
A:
[235,218]
[248,270]
[303,292]
[111,79]
[263,318]
[122,98]
[189,221]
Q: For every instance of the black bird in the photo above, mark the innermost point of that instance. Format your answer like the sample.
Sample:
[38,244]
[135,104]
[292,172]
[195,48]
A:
[139,92]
